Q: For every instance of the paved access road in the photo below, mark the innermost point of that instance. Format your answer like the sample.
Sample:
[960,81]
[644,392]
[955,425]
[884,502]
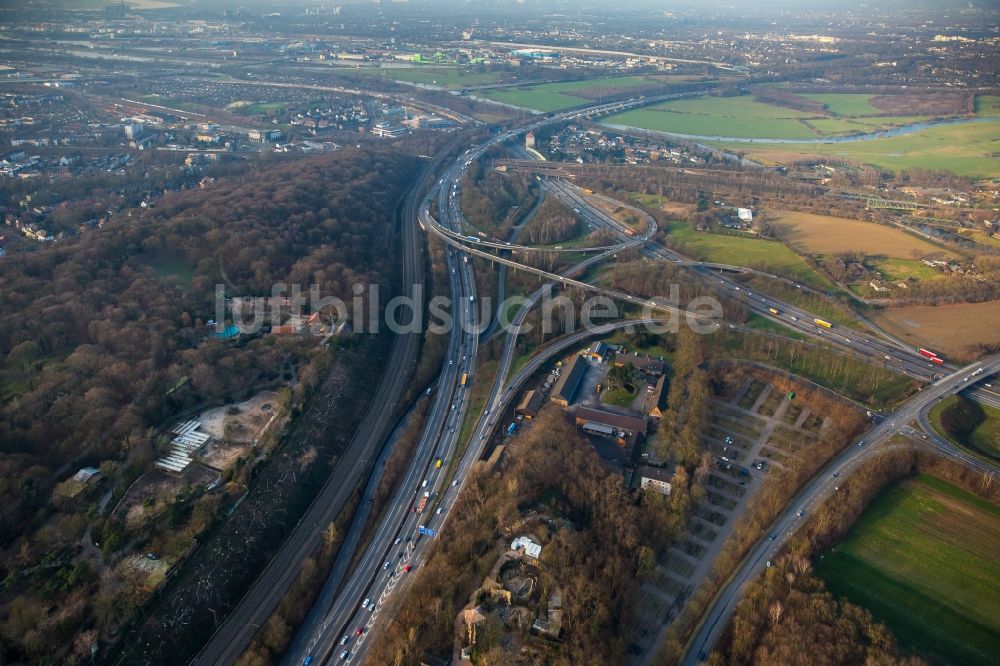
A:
[823,486]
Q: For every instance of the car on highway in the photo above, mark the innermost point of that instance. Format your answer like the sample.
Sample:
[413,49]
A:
[308,660]
[364,604]
[454,483]
[836,474]
[344,655]
[343,641]
[439,510]
[385,566]
[407,568]
[398,541]
[771,537]
[800,513]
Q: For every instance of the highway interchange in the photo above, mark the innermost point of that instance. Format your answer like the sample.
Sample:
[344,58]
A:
[342,625]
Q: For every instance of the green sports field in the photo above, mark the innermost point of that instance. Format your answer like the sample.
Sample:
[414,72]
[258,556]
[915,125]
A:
[924,559]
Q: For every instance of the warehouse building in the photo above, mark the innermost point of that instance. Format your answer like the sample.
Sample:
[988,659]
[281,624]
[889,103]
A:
[530,403]
[623,428]
[569,381]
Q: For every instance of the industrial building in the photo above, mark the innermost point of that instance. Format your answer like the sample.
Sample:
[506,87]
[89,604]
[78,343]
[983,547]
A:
[530,403]
[389,130]
[659,398]
[569,381]
[621,427]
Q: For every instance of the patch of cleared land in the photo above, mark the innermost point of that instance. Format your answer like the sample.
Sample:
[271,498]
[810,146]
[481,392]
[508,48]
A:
[924,559]
[662,203]
[745,251]
[234,427]
[826,234]
[951,330]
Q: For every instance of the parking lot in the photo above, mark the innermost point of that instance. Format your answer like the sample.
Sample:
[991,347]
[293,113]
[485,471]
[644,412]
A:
[753,431]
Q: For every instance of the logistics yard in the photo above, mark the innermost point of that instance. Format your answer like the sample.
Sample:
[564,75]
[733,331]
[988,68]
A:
[924,559]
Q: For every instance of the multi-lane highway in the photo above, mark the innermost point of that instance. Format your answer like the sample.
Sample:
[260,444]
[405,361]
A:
[825,484]
[349,615]
[339,629]
[234,635]
[861,344]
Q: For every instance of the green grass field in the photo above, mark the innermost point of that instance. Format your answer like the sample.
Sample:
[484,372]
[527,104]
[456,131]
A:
[742,106]
[618,397]
[846,104]
[924,559]
[559,95]
[653,201]
[986,437]
[260,107]
[903,269]
[988,105]
[966,150]
[745,118]
[770,326]
[666,120]
[745,251]
[536,99]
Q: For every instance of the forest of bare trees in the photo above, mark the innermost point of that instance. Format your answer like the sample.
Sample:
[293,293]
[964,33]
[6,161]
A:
[106,342]
[594,535]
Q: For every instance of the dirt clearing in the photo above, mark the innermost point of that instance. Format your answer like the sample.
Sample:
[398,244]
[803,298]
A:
[824,234]
[951,330]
